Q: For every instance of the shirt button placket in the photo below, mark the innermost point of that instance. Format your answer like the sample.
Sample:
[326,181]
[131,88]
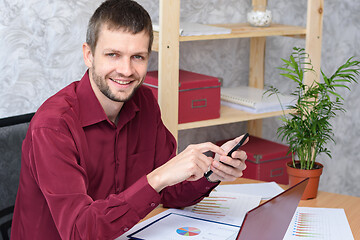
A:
[117,163]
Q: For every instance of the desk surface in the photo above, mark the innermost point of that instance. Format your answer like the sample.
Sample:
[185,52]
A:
[350,204]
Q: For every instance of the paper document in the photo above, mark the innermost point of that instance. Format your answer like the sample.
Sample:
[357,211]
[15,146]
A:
[226,207]
[265,190]
[196,29]
[174,226]
[319,223]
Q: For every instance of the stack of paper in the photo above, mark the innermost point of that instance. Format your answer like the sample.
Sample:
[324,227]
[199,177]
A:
[196,29]
[254,100]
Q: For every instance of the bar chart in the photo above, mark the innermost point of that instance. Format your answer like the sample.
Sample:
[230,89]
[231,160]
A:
[225,206]
[319,223]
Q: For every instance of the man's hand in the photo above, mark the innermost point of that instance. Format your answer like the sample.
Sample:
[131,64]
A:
[190,165]
[236,161]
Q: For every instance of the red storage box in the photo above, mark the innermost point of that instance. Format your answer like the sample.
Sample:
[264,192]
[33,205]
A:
[266,160]
[199,95]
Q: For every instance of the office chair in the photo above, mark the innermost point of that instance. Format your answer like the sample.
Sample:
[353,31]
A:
[6,225]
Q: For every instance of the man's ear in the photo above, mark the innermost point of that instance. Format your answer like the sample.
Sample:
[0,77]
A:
[88,56]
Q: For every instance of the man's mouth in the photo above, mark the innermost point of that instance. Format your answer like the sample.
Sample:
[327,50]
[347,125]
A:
[121,82]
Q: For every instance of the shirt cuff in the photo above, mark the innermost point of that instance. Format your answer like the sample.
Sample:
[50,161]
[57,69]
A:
[204,186]
[142,197]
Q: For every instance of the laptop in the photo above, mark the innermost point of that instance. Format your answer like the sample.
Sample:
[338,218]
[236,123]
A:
[270,220]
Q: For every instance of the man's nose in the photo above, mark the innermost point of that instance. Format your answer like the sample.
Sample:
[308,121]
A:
[124,67]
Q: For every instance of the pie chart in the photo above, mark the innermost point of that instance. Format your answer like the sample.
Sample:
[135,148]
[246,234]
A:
[188,231]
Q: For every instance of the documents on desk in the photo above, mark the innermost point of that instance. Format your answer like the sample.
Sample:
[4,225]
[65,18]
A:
[226,207]
[266,190]
[319,223]
[218,216]
[221,215]
[177,224]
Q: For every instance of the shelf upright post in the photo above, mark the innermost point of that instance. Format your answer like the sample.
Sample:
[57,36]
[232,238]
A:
[169,20]
[257,69]
[314,22]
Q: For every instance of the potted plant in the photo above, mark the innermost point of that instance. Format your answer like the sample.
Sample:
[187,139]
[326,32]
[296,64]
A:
[307,129]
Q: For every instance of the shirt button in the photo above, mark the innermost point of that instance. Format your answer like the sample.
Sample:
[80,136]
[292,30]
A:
[207,188]
[125,229]
[152,204]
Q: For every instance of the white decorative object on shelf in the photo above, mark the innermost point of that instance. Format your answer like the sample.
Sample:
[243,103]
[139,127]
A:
[259,17]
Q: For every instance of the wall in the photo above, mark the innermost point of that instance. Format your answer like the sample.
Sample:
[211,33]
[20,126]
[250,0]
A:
[41,49]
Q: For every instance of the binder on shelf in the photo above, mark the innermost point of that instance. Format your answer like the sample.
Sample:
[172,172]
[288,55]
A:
[197,29]
[254,100]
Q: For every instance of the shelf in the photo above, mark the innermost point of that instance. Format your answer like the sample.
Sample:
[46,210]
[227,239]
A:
[168,41]
[243,30]
[229,115]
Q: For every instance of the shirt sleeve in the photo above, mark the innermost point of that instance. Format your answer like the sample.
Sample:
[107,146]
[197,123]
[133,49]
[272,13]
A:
[63,182]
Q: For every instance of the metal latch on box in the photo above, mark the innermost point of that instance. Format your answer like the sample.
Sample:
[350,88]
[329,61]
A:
[199,103]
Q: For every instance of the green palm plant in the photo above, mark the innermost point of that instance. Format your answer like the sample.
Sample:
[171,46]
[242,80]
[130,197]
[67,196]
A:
[307,129]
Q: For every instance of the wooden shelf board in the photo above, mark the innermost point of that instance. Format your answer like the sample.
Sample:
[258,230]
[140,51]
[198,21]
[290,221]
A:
[243,30]
[229,115]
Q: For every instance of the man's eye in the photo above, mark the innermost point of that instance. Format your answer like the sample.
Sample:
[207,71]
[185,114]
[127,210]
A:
[138,57]
[111,54]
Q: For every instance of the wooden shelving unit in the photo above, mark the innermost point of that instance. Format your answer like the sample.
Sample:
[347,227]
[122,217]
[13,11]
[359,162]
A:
[167,41]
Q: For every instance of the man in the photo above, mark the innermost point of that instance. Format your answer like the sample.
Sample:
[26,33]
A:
[97,158]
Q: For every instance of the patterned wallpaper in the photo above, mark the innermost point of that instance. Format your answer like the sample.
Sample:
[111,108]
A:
[40,48]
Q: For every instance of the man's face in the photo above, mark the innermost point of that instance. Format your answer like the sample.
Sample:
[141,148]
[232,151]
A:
[119,64]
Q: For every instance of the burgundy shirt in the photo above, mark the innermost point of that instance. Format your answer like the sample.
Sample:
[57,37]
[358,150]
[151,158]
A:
[83,177]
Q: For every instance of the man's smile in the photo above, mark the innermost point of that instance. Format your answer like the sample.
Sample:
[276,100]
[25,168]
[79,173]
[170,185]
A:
[121,82]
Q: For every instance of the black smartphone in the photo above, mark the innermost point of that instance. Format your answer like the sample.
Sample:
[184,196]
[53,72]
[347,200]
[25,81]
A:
[236,147]
[239,144]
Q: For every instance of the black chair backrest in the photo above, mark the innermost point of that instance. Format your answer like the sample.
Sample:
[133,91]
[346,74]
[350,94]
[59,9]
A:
[5,226]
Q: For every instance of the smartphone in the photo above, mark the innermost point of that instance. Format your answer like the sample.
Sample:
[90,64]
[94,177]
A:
[236,147]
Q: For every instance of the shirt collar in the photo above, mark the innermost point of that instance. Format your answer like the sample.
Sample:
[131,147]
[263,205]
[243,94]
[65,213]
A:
[90,109]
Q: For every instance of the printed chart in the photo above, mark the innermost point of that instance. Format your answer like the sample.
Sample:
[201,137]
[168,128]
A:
[310,225]
[193,229]
[188,231]
[226,207]
[214,206]
[319,223]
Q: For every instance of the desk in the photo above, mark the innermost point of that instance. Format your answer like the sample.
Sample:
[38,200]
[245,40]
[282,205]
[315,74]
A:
[350,204]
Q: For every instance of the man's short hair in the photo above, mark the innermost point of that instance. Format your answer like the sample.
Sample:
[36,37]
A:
[127,15]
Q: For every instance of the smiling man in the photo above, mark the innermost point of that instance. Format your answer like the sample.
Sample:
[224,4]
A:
[97,158]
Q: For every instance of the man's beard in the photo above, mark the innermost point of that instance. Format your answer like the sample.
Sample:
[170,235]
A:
[105,89]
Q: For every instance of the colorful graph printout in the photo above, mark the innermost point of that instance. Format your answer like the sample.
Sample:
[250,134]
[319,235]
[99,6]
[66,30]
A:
[167,228]
[225,207]
[188,231]
[319,223]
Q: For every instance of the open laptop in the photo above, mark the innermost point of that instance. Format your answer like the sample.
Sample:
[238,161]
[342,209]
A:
[271,219]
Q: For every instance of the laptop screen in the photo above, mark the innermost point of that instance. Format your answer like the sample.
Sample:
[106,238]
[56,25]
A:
[271,219]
